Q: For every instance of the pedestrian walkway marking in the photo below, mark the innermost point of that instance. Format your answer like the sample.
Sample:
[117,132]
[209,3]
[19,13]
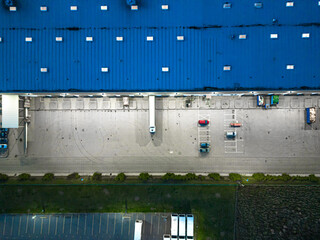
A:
[71,224]
[49,225]
[107,222]
[4,225]
[19,226]
[100,224]
[92,224]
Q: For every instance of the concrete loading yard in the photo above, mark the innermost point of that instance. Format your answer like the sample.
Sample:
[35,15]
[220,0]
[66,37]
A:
[100,134]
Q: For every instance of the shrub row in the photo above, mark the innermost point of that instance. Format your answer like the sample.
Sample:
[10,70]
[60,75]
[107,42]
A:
[259,177]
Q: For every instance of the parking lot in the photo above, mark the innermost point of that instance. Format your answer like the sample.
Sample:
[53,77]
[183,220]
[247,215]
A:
[99,134]
[82,226]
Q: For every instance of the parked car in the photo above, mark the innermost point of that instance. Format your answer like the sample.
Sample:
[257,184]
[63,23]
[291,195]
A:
[204,150]
[204,145]
[203,122]
[235,124]
[231,134]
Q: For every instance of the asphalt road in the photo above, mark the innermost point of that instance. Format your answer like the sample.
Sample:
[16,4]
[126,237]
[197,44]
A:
[98,134]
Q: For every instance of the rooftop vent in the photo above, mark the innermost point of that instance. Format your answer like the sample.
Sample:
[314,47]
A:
[165,7]
[290,67]
[242,36]
[119,39]
[104,69]
[73,8]
[180,38]
[165,69]
[89,39]
[227,5]
[43,70]
[258,5]
[59,39]
[289,4]
[13,9]
[305,35]
[227,68]
[104,8]
[149,38]
[134,7]
[273,35]
[28,39]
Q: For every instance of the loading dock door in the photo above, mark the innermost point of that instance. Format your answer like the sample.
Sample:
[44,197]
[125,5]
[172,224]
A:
[10,111]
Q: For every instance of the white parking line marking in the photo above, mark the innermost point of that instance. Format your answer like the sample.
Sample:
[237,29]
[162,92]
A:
[85,224]
[11,226]
[114,228]
[4,225]
[27,223]
[49,225]
[34,225]
[92,224]
[78,224]
[100,224]
[159,224]
[71,224]
[19,225]
[55,232]
[151,225]
[41,226]
[64,220]
[107,222]
[121,225]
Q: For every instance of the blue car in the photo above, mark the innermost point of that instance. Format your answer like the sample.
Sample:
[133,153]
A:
[204,145]
[204,150]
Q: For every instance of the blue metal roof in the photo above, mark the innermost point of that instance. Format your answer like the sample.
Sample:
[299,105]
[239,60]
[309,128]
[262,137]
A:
[211,41]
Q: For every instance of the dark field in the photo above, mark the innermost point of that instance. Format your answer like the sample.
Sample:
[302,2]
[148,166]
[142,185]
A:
[213,206]
[290,212]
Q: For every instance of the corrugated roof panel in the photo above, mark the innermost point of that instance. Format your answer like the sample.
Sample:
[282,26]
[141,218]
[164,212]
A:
[150,14]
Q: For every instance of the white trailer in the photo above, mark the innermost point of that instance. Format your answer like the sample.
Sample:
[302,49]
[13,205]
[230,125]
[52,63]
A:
[138,230]
[190,226]
[174,226]
[182,226]
[152,114]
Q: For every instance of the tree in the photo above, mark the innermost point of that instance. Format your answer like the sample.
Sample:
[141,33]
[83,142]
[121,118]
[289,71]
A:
[120,177]
[235,177]
[3,177]
[214,176]
[144,177]
[97,176]
[48,177]
[259,177]
[73,176]
[24,177]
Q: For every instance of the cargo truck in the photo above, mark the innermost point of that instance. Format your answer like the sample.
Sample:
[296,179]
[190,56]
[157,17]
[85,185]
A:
[152,114]
[138,230]
[190,225]
[182,226]
[311,115]
[174,226]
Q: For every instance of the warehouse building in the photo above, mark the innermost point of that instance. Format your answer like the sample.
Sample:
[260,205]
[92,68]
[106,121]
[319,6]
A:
[159,45]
